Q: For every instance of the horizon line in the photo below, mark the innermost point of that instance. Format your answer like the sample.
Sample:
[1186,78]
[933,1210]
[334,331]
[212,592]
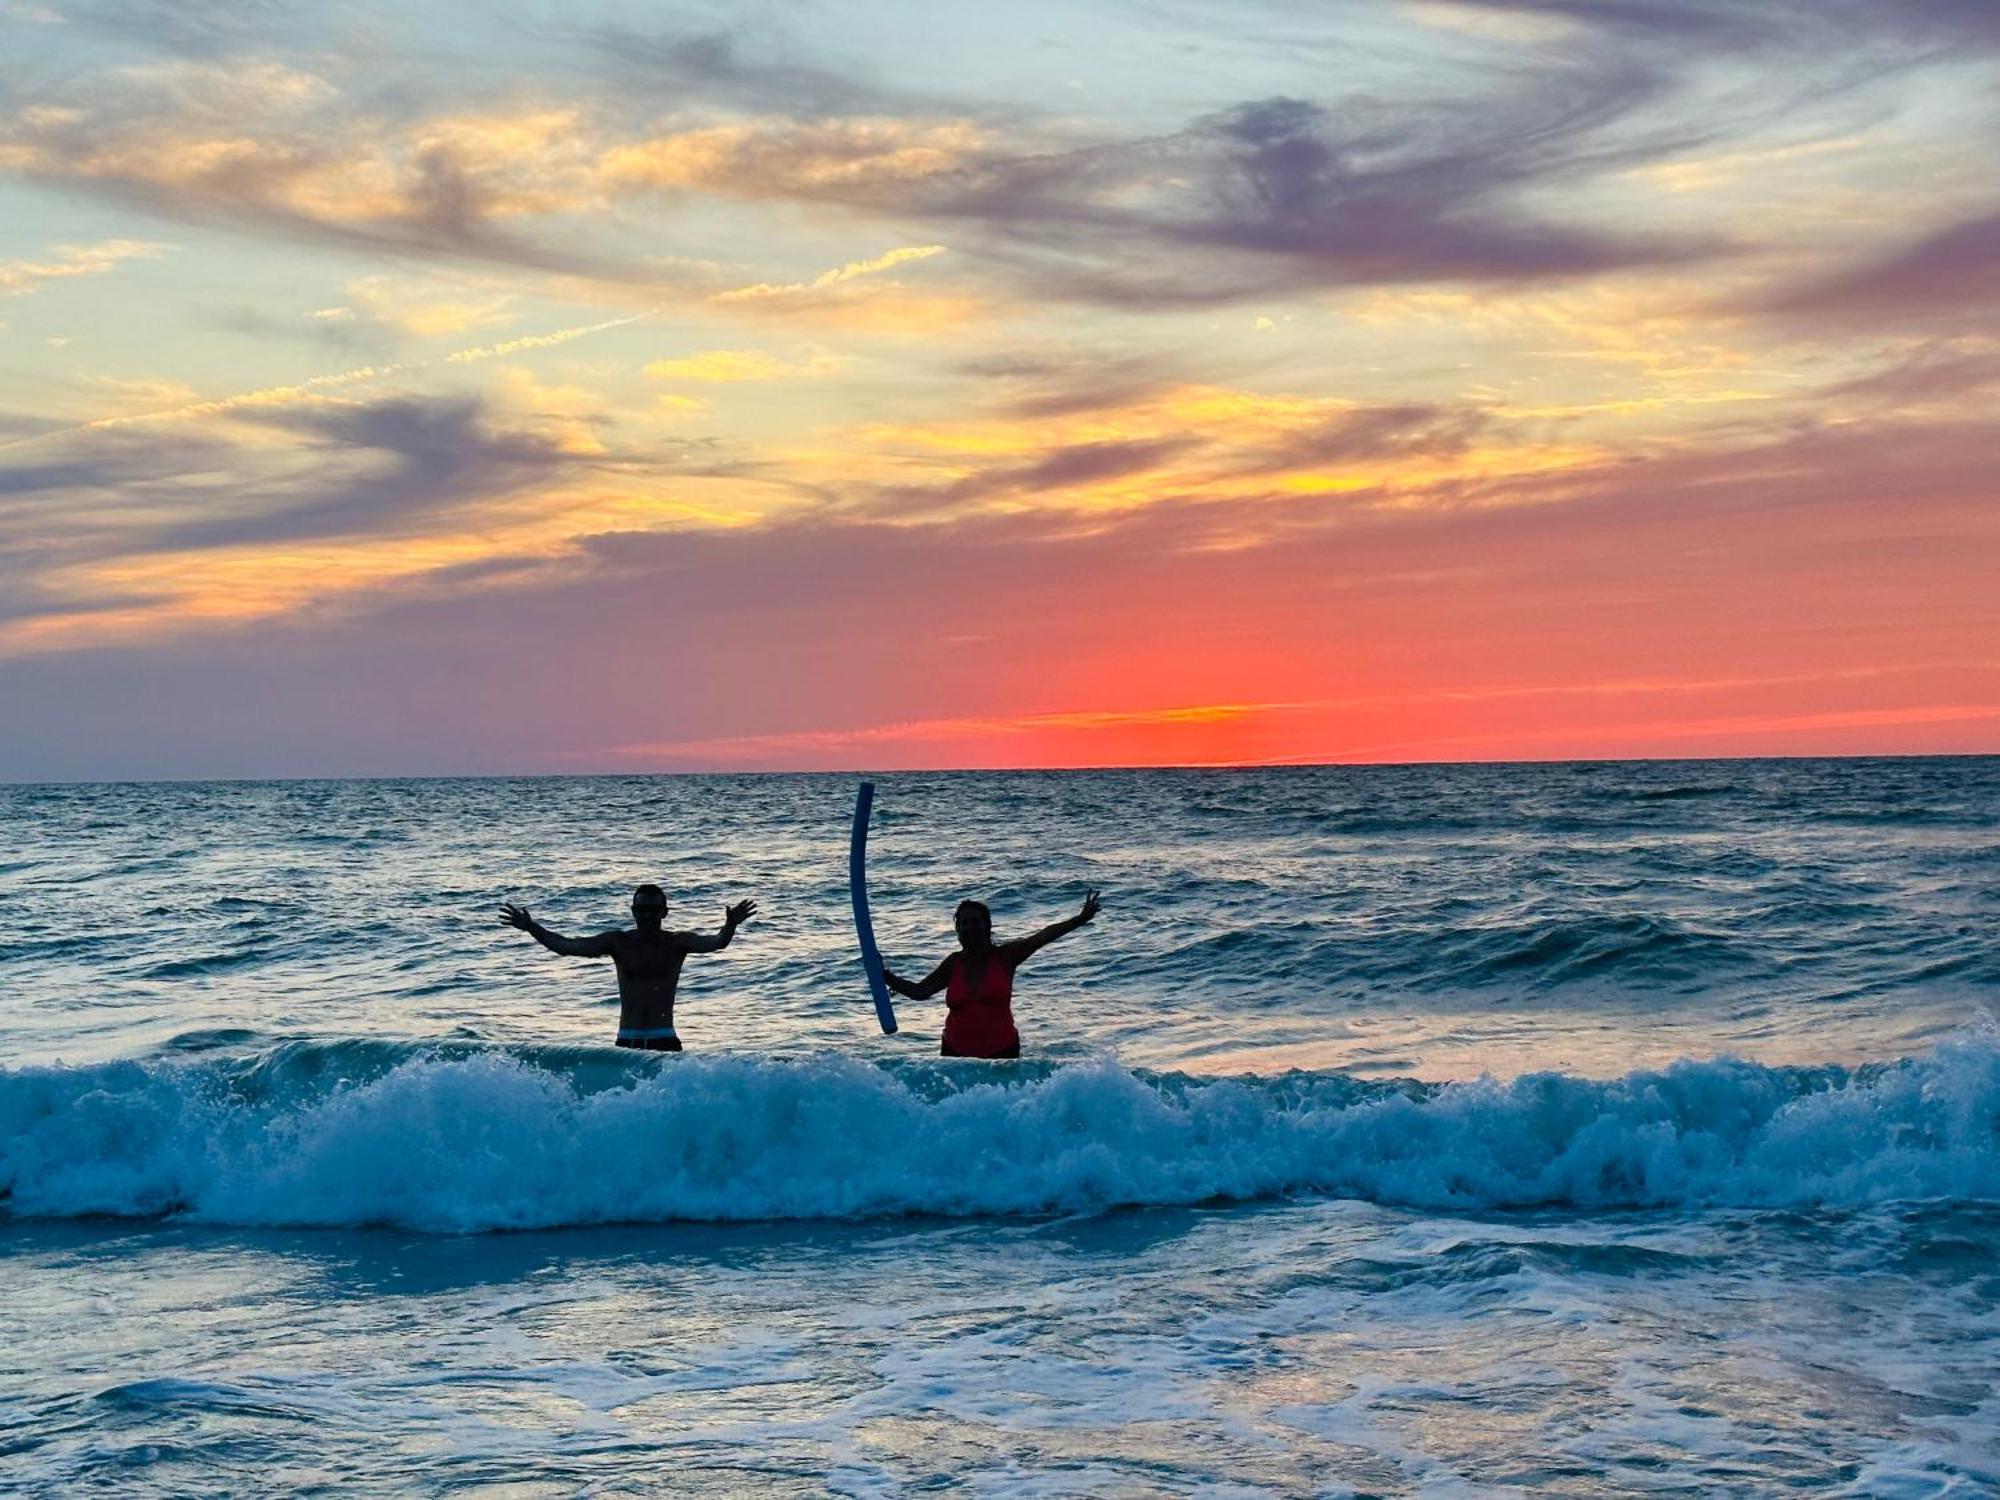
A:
[994,770]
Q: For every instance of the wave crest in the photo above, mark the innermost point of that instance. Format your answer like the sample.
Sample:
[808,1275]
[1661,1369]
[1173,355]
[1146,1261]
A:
[375,1133]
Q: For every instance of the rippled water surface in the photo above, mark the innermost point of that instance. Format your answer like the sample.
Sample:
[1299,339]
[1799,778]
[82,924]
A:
[1592,1129]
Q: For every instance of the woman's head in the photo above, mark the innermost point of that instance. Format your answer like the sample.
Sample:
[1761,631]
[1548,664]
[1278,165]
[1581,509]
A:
[974,925]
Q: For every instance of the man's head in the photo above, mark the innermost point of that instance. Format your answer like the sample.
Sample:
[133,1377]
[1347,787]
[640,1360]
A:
[974,925]
[649,906]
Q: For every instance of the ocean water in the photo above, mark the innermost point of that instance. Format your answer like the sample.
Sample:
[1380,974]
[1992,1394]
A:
[1580,1129]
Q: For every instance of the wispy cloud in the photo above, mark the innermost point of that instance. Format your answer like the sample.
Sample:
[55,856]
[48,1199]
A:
[164,532]
[727,366]
[419,458]
[1943,278]
[1940,370]
[277,152]
[20,277]
[312,388]
[544,340]
[1267,195]
[317,387]
[423,312]
[722,365]
[887,261]
[865,295]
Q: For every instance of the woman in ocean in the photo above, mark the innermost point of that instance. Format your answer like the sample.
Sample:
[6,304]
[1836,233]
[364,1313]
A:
[978,981]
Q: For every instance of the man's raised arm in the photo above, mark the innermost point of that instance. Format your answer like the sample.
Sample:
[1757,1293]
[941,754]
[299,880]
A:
[596,946]
[732,918]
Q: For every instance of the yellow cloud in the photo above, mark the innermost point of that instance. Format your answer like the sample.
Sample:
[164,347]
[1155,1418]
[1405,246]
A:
[317,387]
[19,277]
[1218,442]
[174,159]
[415,311]
[314,389]
[535,162]
[724,366]
[569,416]
[849,296]
[1610,349]
[884,262]
[1699,173]
[235,89]
[161,594]
[1487,24]
[766,158]
[539,162]
[1410,475]
[544,340]
[143,393]
[196,144]
[271,147]
[884,310]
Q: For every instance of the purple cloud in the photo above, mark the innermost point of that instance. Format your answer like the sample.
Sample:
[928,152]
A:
[1952,275]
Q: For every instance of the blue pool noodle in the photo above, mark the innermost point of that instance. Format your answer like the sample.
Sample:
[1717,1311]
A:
[864,926]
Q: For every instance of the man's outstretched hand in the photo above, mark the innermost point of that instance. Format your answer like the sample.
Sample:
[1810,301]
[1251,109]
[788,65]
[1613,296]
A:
[740,913]
[516,916]
[1091,906]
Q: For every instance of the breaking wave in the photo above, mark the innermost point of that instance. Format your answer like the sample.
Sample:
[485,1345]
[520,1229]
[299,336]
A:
[472,1139]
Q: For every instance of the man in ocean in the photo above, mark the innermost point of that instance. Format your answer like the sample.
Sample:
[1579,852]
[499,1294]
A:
[648,960]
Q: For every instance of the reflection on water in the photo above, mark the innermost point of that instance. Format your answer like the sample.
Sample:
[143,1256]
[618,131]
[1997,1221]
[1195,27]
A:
[1290,1347]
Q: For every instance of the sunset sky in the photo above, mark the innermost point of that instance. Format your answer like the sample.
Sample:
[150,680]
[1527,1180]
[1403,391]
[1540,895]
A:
[550,388]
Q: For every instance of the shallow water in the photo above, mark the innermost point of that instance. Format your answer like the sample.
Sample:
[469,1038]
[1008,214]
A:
[278,1083]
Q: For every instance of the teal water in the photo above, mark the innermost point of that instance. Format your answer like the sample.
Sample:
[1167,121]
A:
[317,1178]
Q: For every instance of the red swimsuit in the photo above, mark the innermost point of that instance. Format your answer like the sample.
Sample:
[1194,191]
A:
[979,1020]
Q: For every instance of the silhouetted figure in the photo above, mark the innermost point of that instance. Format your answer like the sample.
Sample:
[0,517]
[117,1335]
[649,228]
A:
[648,961]
[978,981]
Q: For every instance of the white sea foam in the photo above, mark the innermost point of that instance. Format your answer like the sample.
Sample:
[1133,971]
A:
[497,1141]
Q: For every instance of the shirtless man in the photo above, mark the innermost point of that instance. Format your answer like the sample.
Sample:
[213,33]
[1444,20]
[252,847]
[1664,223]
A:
[648,962]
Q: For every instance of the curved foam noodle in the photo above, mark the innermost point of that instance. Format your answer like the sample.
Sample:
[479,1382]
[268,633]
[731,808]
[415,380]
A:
[864,924]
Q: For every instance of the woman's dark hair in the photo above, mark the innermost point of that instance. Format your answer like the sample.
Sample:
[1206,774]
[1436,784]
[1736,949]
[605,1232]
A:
[978,906]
